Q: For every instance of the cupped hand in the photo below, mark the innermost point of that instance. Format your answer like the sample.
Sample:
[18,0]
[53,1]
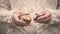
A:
[44,16]
[17,21]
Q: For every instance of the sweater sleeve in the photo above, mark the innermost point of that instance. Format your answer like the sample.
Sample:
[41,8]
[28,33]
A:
[55,16]
[5,11]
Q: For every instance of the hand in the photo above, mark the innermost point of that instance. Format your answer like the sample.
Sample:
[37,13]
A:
[44,16]
[16,20]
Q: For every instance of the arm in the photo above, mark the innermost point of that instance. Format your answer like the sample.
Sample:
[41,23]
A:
[5,13]
[55,16]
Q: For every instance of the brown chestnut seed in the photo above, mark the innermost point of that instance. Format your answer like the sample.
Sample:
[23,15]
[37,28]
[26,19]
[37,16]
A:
[26,18]
[36,17]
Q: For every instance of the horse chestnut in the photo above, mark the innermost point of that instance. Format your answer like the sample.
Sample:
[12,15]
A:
[26,18]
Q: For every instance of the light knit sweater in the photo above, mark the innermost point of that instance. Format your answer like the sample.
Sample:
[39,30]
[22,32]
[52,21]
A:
[31,6]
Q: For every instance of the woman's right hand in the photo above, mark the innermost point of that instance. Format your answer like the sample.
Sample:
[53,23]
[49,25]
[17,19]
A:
[16,20]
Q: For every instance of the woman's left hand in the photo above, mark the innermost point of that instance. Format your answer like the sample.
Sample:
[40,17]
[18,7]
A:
[44,16]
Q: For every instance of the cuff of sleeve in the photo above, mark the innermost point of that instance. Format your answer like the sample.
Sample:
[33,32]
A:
[5,19]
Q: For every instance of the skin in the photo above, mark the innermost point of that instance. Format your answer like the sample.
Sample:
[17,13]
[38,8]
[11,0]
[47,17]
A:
[44,16]
[15,18]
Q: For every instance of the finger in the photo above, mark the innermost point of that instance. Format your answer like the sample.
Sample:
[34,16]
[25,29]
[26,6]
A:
[20,21]
[44,21]
[16,17]
[40,14]
[45,16]
[17,20]
[26,14]
[47,19]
